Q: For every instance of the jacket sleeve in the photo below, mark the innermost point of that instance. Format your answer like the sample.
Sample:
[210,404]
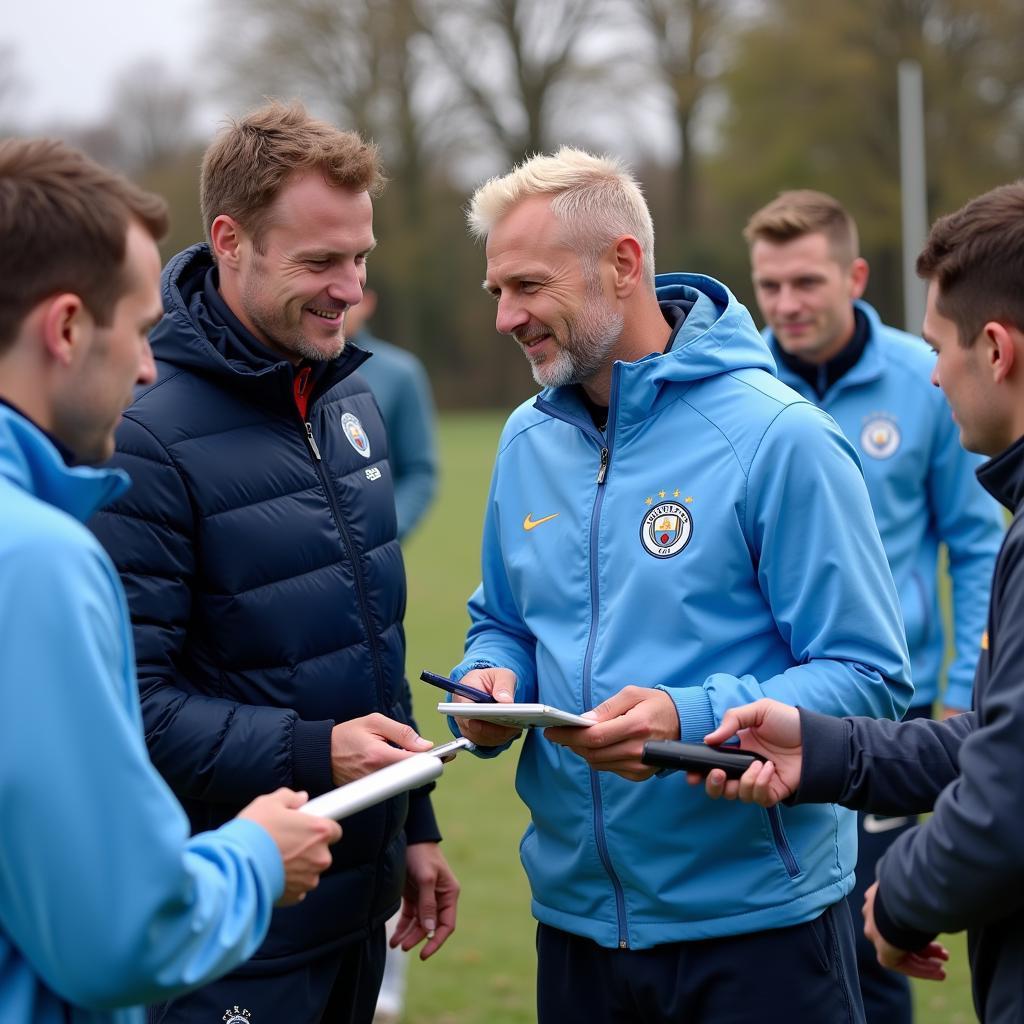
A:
[101,888]
[962,866]
[497,636]
[971,524]
[412,448]
[208,748]
[820,565]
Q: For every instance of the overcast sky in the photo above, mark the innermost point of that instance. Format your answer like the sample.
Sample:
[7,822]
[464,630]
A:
[67,55]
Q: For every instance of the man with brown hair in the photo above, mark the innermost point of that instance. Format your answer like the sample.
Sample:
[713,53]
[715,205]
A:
[104,899]
[833,348]
[962,867]
[259,553]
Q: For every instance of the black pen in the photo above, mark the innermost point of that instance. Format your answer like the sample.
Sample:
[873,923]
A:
[470,692]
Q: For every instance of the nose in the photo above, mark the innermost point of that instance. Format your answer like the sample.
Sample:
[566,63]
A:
[935,375]
[787,303]
[346,284]
[510,315]
[147,366]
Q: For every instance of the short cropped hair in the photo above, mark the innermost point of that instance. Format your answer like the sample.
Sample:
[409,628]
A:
[976,258]
[802,212]
[250,161]
[64,228]
[595,198]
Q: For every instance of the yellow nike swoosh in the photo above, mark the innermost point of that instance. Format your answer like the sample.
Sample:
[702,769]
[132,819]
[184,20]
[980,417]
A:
[529,524]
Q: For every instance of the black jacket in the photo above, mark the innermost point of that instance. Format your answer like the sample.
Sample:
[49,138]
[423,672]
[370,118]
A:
[266,589]
[964,866]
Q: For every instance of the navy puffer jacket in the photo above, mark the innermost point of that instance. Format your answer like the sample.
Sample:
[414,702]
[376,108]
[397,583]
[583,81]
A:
[266,588]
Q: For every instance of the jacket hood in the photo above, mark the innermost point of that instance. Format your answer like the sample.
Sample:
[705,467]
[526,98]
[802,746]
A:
[190,337]
[716,336]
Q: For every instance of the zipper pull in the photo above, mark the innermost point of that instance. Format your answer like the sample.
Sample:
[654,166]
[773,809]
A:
[312,444]
[603,471]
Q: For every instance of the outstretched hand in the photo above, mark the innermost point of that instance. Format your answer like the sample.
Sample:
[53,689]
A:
[767,727]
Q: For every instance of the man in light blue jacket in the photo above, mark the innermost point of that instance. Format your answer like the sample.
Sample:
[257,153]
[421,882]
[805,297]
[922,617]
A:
[832,347]
[105,901]
[669,528]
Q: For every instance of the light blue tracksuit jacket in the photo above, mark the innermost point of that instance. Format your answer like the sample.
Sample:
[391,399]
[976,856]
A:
[718,543]
[105,901]
[923,491]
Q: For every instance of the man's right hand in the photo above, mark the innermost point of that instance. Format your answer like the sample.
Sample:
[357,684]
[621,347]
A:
[302,839]
[500,683]
[363,745]
[768,727]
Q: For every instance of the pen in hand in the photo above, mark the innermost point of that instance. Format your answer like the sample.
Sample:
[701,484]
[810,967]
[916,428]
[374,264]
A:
[469,692]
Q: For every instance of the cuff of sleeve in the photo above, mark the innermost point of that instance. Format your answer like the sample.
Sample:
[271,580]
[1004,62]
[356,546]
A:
[823,770]
[262,850]
[909,939]
[696,717]
[420,823]
[311,756]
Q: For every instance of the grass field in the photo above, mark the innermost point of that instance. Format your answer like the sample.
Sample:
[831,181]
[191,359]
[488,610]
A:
[485,973]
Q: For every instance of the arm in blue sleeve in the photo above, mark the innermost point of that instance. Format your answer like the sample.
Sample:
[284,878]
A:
[498,636]
[971,524]
[823,572]
[101,888]
[412,445]
[208,748]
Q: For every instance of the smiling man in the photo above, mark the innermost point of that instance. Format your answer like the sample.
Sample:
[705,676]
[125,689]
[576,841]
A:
[259,552]
[663,535]
[832,347]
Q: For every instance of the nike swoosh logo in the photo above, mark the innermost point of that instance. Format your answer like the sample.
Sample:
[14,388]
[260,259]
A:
[873,823]
[529,524]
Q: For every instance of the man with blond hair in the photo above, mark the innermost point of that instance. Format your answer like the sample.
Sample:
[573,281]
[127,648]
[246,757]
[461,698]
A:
[105,901]
[668,528]
[259,553]
[832,347]
[961,868]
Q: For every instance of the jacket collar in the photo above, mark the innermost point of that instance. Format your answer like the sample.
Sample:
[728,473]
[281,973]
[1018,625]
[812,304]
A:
[869,367]
[1003,476]
[30,461]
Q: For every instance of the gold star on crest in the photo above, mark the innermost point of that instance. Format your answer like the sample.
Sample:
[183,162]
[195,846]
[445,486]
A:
[661,494]
[675,493]
[648,501]
[688,499]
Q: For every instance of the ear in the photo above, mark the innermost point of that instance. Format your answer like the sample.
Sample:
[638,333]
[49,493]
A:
[628,263]
[1000,349]
[226,237]
[65,324]
[859,273]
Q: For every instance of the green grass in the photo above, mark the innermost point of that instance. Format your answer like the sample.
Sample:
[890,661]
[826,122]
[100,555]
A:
[485,974]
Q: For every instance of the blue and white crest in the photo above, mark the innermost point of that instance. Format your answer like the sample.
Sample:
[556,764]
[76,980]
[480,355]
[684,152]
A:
[666,529]
[880,437]
[355,434]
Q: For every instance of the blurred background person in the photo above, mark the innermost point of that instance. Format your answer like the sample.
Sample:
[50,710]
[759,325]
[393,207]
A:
[402,389]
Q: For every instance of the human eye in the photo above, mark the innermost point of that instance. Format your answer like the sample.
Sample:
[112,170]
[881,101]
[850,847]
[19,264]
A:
[529,287]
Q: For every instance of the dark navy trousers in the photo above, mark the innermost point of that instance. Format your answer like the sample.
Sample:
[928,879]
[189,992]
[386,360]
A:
[886,994]
[338,988]
[805,974]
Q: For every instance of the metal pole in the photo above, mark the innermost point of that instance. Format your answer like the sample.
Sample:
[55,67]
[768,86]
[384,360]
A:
[913,185]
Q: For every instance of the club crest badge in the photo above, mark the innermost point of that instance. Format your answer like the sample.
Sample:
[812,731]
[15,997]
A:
[355,434]
[666,529]
[880,437]
[235,1015]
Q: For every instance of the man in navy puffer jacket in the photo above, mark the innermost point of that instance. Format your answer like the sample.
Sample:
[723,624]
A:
[258,549]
